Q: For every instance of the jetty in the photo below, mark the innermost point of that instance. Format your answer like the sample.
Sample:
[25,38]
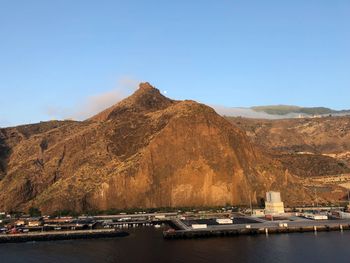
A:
[61,235]
[265,228]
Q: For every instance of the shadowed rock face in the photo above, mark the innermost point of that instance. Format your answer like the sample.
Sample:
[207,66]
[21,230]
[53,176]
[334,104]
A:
[313,135]
[146,151]
[4,153]
[307,147]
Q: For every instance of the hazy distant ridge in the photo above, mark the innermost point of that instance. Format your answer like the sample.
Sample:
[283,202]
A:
[286,109]
[279,111]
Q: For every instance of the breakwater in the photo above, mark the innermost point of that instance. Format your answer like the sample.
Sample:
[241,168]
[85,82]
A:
[222,232]
[62,235]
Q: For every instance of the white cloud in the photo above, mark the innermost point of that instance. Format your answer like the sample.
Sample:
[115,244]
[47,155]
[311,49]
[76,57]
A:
[4,123]
[95,103]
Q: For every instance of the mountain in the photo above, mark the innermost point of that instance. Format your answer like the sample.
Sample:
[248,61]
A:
[147,151]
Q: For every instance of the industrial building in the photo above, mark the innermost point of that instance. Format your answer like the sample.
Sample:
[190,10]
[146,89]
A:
[273,203]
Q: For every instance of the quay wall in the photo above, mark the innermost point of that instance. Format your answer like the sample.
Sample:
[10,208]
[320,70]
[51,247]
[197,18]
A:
[206,233]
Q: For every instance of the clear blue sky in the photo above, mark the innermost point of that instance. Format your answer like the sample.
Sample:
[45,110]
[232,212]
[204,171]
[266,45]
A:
[227,52]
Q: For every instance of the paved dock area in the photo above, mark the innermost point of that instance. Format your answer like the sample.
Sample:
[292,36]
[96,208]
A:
[282,226]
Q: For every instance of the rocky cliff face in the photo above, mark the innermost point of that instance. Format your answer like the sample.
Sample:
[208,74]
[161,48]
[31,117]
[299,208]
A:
[146,151]
[307,147]
[325,135]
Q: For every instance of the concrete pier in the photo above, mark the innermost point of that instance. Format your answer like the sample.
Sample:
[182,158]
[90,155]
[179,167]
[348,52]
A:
[258,228]
[61,235]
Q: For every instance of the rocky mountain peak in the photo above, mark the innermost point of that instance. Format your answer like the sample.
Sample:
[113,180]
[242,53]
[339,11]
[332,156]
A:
[145,99]
[146,86]
[147,96]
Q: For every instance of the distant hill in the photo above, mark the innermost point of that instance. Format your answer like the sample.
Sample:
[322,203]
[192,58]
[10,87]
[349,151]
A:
[278,112]
[287,109]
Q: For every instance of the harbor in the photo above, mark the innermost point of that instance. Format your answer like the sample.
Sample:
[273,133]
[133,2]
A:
[272,220]
[224,221]
[184,225]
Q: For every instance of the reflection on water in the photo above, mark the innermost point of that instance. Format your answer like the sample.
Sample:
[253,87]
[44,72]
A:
[147,245]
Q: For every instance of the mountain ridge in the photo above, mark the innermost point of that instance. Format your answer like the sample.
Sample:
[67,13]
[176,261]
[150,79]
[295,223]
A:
[146,151]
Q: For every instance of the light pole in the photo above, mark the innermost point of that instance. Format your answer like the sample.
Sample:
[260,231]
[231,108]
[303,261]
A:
[251,206]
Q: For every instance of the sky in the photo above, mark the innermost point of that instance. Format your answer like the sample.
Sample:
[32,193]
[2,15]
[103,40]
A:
[69,59]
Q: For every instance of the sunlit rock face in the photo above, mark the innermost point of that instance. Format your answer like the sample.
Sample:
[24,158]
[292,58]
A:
[146,151]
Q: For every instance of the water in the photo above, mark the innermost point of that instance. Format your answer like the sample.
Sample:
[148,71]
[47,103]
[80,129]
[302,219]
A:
[147,245]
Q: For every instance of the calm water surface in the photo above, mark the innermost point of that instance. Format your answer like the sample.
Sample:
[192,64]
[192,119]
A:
[147,245]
